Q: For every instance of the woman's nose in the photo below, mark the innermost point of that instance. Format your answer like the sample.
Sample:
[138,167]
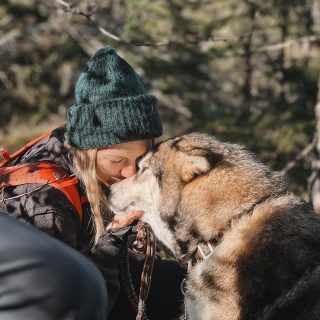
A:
[128,171]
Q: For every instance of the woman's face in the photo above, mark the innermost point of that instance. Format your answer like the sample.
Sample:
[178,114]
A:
[118,161]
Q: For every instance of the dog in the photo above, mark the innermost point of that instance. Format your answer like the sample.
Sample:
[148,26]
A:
[252,248]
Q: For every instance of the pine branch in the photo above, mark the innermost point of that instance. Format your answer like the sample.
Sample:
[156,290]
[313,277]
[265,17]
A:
[88,15]
[307,150]
[289,43]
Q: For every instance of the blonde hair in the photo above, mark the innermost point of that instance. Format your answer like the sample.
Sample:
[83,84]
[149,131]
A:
[84,161]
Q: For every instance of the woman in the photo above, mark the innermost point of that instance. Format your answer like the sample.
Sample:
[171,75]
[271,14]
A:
[111,124]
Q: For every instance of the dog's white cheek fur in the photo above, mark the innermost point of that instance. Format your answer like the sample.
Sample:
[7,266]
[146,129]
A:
[152,214]
[158,227]
[145,195]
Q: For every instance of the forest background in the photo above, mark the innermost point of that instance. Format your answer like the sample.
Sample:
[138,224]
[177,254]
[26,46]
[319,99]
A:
[246,71]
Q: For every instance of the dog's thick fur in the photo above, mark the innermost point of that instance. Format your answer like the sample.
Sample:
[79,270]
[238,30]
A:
[267,265]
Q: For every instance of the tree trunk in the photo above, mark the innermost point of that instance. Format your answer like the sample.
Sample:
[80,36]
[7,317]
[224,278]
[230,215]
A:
[314,180]
[247,62]
[251,11]
[284,21]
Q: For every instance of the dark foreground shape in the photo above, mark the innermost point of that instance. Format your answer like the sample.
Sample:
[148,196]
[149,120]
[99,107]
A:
[42,278]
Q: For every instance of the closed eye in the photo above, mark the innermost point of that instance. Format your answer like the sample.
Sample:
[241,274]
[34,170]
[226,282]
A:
[115,161]
[142,169]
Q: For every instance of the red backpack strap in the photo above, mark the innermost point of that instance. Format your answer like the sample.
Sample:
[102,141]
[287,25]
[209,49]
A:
[44,173]
[7,157]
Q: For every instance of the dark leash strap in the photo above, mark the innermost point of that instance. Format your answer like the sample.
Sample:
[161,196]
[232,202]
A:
[145,243]
[146,275]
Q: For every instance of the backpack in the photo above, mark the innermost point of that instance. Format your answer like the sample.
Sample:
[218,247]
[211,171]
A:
[40,173]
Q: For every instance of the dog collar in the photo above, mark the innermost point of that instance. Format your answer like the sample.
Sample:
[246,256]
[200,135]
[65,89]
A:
[205,249]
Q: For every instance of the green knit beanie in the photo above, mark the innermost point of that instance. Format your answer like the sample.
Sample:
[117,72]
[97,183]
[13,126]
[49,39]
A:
[111,105]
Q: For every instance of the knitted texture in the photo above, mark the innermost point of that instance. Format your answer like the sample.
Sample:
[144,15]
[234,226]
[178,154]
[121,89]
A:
[111,105]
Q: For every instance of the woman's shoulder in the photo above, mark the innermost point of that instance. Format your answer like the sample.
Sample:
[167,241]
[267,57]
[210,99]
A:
[49,149]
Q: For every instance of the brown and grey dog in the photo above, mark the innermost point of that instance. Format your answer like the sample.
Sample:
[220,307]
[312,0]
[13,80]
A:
[258,246]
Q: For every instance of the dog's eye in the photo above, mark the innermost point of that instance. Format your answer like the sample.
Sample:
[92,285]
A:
[142,169]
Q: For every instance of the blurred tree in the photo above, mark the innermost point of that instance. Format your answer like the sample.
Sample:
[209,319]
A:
[243,70]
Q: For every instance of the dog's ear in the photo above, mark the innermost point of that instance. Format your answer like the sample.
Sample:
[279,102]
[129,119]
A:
[196,162]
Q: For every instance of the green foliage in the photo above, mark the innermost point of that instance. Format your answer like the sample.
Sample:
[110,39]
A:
[212,64]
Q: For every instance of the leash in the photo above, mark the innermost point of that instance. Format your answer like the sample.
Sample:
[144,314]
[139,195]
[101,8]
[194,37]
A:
[146,236]
[145,243]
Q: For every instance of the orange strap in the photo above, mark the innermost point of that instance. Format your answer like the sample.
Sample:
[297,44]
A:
[44,173]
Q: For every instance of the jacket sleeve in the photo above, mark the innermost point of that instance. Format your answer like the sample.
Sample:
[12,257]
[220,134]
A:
[49,210]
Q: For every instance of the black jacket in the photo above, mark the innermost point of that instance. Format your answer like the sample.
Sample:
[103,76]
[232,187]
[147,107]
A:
[49,210]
